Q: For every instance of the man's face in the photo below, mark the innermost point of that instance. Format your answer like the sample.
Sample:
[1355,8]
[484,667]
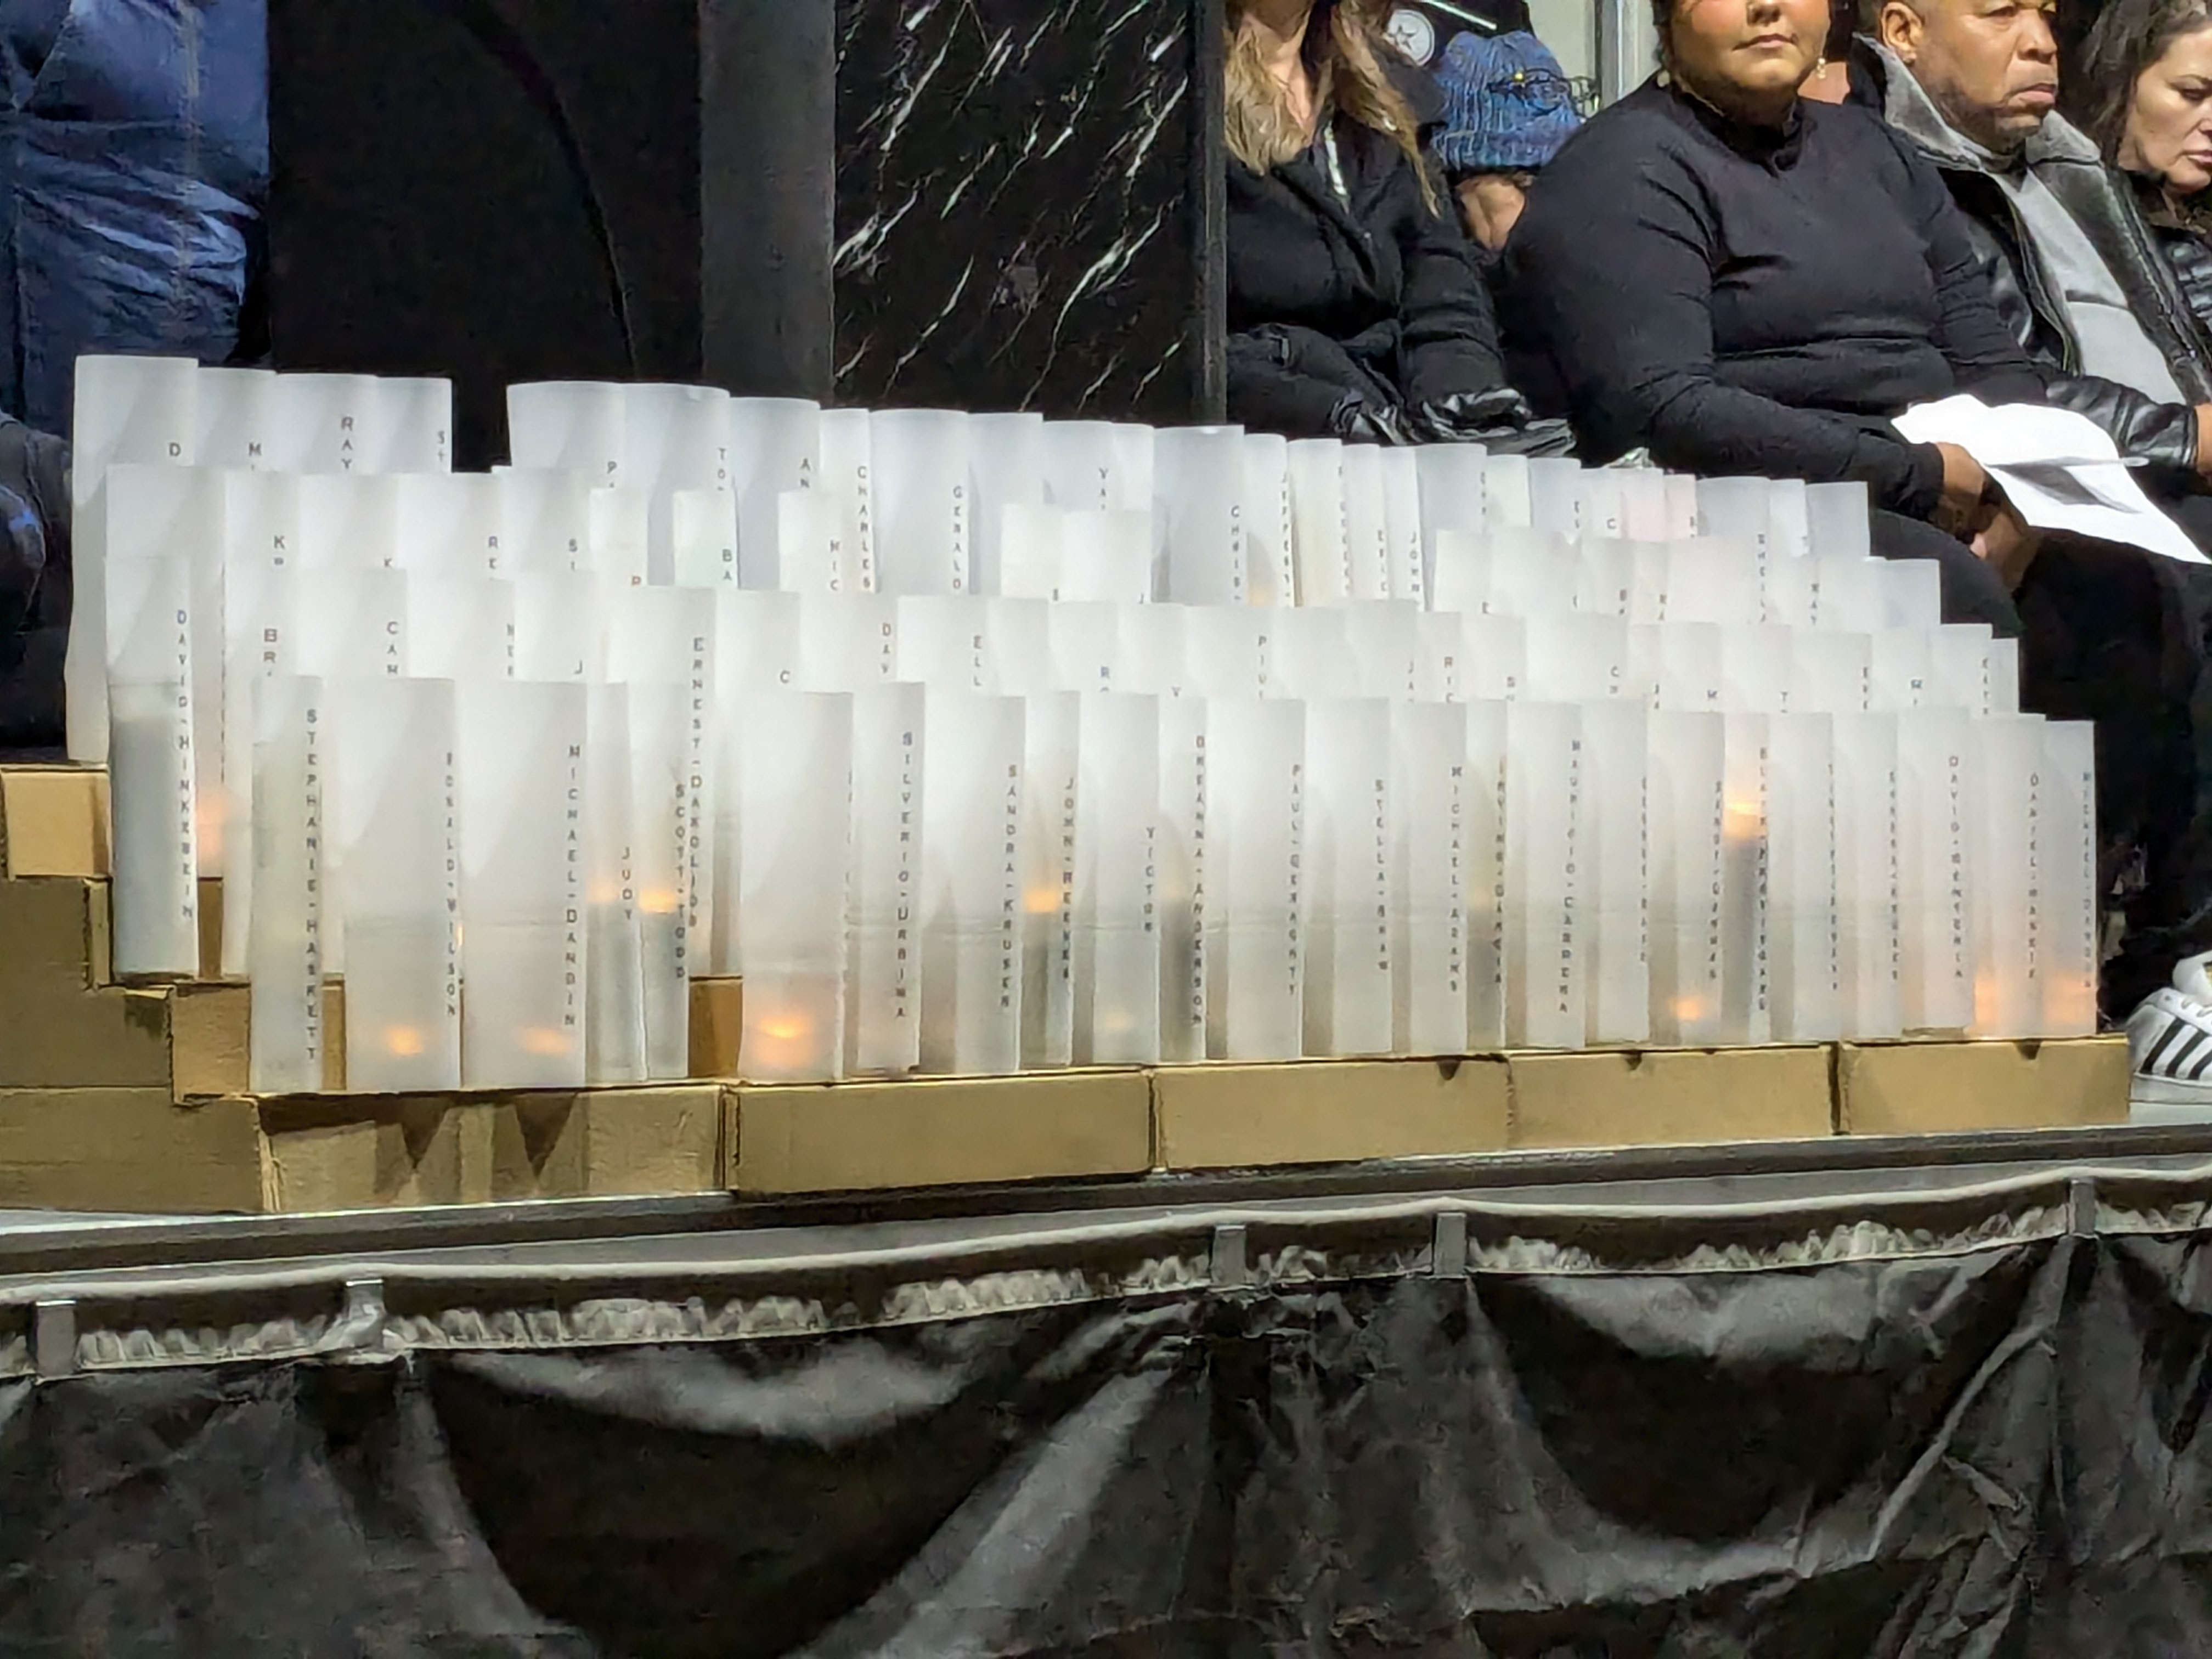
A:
[1991,66]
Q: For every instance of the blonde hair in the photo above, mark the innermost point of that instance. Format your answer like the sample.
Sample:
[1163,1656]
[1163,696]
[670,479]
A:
[1343,49]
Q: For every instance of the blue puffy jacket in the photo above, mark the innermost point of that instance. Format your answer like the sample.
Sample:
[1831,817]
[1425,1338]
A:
[136,160]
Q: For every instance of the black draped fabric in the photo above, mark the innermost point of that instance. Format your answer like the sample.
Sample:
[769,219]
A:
[1994,1452]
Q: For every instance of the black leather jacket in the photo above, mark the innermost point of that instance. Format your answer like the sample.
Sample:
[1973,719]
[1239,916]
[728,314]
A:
[2185,240]
[2162,433]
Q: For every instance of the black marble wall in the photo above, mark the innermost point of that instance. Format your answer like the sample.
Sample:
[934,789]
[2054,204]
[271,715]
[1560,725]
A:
[1027,205]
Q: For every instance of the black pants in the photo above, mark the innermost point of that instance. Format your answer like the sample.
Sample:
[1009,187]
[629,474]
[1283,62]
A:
[2106,635]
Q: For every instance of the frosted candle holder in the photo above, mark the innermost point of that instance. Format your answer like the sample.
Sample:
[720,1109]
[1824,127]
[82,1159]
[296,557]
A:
[1203,507]
[1508,495]
[1080,460]
[545,521]
[922,501]
[1460,561]
[151,773]
[1270,554]
[1755,669]
[1532,574]
[1255,917]
[1853,594]
[1430,850]
[330,423]
[1555,498]
[775,449]
[1116,942]
[2066,859]
[353,623]
[1085,641]
[353,524]
[1689,676]
[1746,983]
[1486,796]
[1497,659]
[1959,668]
[572,426]
[1612,838]
[1738,510]
[1107,556]
[1232,651]
[1577,658]
[284,957]
[559,629]
[794,786]
[417,425]
[847,641]
[1134,484]
[1401,497]
[1603,511]
[1911,592]
[174,514]
[1935,859]
[1714,580]
[703,531]
[396,835]
[2001,677]
[1645,513]
[141,409]
[1051,766]
[942,643]
[1689,867]
[810,556]
[616,548]
[2005,764]
[1321,527]
[971,953]
[614,939]
[1350,890]
[443,523]
[1607,574]
[663,635]
[756,645]
[660,799]
[261,641]
[1805,941]
[847,477]
[1546,975]
[1898,661]
[234,417]
[1440,664]
[523,970]
[1367,556]
[1017,636]
[882,1009]
[461,628]
[1312,655]
[1008,454]
[1450,478]
[1866,861]
[1183,861]
[1789,524]
[1830,673]
[1031,552]
[1157,647]
[1384,638]
[1683,519]
[1836,525]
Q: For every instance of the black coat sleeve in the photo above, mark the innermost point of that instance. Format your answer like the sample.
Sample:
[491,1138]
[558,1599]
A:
[1448,331]
[1629,333]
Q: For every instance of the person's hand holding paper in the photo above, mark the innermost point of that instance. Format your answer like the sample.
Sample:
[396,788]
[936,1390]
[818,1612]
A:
[2059,470]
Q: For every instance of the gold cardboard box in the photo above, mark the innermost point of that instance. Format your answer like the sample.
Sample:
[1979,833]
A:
[53,821]
[1670,1096]
[1938,1088]
[936,1132]
[609,1143]
[1225,1116]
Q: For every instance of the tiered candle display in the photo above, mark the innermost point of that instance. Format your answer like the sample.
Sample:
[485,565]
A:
[980,744]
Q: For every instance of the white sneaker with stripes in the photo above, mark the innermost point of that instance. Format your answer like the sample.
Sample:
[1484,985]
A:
[2169,1037]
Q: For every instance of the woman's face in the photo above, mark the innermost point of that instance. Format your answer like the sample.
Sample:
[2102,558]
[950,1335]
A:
[1748,53]
[2170,121]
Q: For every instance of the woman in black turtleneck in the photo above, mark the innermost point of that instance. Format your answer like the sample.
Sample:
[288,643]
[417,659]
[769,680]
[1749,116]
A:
[1743,281]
